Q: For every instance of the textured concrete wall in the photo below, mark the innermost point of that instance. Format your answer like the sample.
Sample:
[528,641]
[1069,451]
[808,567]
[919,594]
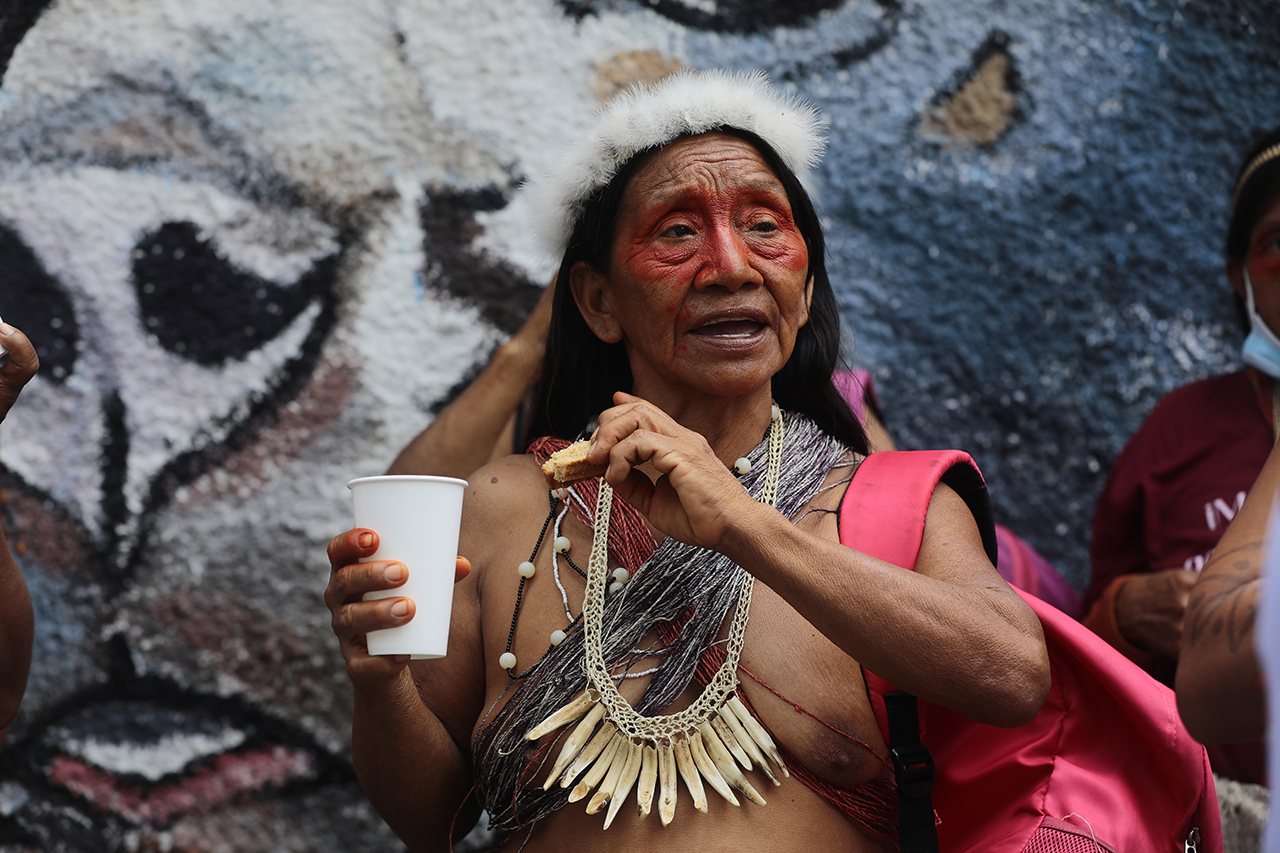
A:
[257,243]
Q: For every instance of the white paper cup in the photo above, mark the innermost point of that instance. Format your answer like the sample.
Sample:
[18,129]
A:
[417,520]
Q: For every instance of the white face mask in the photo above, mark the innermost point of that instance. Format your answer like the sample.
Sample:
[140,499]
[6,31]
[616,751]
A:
[1261,347]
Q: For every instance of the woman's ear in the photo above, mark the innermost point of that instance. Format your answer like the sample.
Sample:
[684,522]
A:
[590,293]
[808,301]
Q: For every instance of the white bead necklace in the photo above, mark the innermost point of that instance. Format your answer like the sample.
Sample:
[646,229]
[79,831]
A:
[618,748]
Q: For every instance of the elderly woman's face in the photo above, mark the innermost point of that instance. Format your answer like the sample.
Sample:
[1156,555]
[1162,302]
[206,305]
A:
[708,281]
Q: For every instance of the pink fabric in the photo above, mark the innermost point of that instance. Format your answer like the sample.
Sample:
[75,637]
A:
[1023,567]
[855,386]
[1107,753]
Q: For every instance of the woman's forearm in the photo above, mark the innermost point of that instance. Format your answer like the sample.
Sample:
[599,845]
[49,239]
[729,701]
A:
[1219,684]
[411,769]
[463,437]
[469,432]
[975,648]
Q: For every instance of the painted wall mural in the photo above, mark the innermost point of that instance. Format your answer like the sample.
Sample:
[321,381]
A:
[259,245]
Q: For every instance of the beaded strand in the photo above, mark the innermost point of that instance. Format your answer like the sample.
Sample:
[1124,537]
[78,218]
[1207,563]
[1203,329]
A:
[508,659]
[527,570]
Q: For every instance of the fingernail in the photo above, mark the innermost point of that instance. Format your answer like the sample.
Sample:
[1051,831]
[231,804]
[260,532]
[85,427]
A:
[394,573]
[365,540]
[6,329]
[400,608]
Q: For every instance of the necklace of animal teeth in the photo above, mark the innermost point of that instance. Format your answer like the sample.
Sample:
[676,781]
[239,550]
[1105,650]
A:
[613,748]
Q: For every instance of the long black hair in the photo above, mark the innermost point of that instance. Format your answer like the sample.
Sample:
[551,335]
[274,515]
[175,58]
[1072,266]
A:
[1250,203]
[582,372]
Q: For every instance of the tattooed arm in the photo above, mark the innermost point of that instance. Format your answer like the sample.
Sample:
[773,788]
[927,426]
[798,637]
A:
[1219,683]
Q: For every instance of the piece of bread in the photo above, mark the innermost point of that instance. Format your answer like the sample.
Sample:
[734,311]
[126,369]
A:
[569,465]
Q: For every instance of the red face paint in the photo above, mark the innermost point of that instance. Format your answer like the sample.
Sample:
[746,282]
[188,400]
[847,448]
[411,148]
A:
[709,274]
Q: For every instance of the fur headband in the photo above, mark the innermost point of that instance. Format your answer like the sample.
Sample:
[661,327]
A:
[647,117]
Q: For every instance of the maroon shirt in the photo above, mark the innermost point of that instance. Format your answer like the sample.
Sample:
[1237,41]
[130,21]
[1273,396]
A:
[1170,496]
[1180,480]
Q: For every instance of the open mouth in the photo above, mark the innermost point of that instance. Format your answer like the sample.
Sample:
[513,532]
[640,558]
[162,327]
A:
[738,329]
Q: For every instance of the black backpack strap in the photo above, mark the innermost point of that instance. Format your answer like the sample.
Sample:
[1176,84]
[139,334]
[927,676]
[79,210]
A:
[913,768]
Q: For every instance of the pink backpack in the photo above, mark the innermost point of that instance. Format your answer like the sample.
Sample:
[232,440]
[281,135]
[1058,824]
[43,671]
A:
[1106,765]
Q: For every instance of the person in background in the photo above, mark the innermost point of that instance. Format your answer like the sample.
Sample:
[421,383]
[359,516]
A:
[16,619]
[1183,476]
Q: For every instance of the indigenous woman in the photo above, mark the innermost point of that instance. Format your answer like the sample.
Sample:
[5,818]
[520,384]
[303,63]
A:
[694,601]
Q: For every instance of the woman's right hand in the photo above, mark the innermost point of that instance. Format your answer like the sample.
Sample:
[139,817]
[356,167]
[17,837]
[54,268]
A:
[353,617]
[1150,609]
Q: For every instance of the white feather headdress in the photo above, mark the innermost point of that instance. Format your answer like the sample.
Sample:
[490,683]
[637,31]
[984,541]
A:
[646,117]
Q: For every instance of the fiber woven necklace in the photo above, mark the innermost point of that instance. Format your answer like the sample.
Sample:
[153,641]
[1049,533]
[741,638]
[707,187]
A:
[684,593]
[708,740]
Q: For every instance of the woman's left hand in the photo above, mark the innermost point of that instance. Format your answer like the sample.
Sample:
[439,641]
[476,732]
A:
[696,498]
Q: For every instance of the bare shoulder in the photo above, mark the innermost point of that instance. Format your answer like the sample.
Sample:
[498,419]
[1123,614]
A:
[952,546]
[503,500]
[820,516]
[503,485]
